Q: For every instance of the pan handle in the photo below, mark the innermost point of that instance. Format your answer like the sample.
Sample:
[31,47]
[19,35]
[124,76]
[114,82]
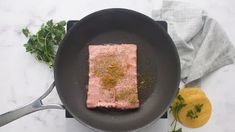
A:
[29,108]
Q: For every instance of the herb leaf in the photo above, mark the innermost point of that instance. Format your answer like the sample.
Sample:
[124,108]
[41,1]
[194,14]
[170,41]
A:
[43,44]
[178,130]
[198,107]
[193,114]
[180,103]
[175,109]
[25,32]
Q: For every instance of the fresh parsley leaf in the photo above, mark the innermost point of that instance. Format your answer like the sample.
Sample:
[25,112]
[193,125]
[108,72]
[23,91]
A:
[43,43]
[193,114]
[178,130]
[25,32]
[198,107]
[180,98]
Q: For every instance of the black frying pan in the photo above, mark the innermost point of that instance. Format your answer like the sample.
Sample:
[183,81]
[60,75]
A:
[157,59]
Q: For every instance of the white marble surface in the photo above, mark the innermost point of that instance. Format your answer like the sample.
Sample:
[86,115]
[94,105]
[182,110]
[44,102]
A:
[23,79]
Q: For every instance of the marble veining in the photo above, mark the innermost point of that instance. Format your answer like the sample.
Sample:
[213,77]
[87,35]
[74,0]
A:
[23,79]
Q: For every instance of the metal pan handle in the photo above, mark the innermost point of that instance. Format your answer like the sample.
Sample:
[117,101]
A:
[29,108]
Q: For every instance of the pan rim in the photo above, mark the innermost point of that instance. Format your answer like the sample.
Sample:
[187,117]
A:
[62,44]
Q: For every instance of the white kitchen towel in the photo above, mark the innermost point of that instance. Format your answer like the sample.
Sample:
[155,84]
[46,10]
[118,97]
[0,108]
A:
[202,44]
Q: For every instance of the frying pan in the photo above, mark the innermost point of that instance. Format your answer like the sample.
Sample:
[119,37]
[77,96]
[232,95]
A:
[157,60]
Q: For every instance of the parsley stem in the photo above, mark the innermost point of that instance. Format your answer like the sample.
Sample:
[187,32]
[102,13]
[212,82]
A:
[173,122]
[45,42]
[175,125]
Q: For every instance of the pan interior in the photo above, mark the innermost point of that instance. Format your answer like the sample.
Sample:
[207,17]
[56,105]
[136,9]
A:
[157,62]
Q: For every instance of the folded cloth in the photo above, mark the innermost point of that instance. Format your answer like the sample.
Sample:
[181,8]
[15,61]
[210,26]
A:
[202,44]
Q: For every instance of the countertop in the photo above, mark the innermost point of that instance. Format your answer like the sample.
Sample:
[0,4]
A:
[22,78]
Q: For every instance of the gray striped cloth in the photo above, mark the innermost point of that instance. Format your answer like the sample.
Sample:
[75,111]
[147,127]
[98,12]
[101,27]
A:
[202,44]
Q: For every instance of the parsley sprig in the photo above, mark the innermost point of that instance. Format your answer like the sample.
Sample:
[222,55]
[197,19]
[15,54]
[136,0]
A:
[43,44]
[175,109]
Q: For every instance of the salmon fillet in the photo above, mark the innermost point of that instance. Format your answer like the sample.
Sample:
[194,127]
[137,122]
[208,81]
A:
[112,76]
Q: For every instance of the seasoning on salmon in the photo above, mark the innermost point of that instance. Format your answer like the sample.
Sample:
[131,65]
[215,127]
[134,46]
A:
[112,76]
